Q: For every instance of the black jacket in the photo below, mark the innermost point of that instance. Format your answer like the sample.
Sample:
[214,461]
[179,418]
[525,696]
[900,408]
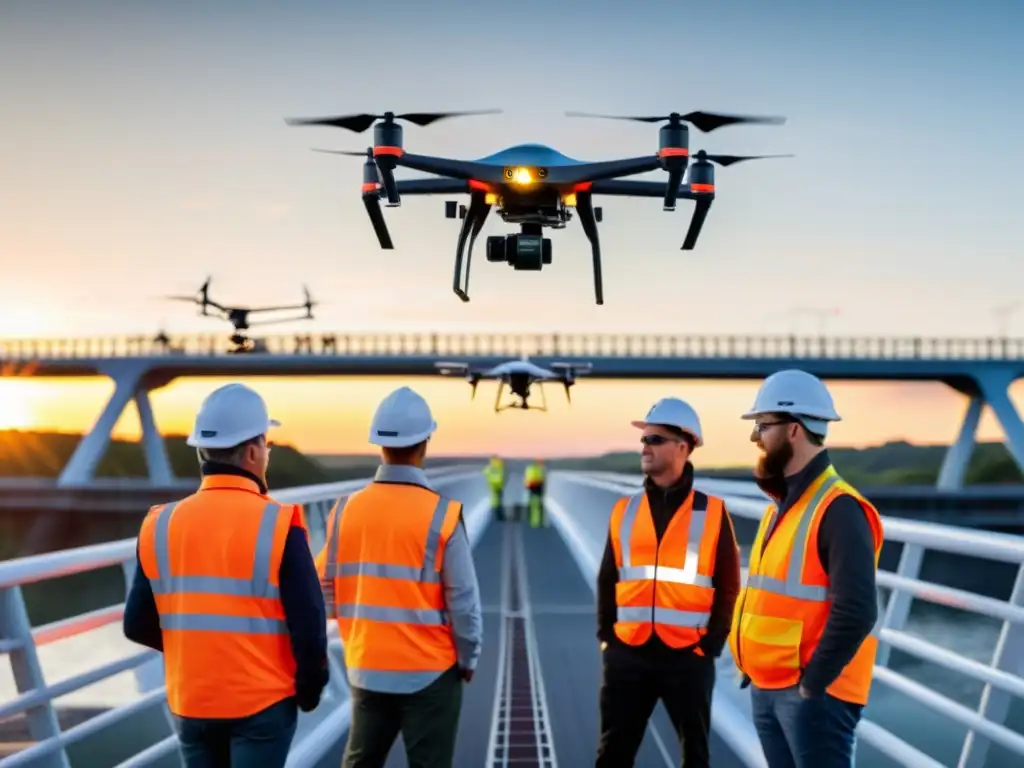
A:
[301,599]
[726,579]
[847,551]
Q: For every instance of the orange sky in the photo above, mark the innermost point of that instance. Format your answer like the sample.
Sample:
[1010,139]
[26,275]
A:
[331,415]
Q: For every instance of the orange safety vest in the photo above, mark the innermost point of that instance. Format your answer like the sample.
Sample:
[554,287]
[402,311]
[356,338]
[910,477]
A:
[381,576]
[665,588]
[212,560]
[781,613]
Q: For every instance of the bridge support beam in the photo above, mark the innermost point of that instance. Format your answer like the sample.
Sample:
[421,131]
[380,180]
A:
[130,383]
[991,388]
[958,457]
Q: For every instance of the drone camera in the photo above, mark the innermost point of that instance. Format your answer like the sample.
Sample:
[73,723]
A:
[521,251]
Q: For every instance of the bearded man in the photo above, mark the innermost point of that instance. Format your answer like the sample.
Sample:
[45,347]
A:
[805,627]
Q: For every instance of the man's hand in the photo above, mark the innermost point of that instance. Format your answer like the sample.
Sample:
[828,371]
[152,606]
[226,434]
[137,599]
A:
[804,693]
[466,674]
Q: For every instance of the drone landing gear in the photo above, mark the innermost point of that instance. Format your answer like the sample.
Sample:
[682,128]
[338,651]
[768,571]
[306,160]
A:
[524,400]
[700,212]
[588,218]
[473,222]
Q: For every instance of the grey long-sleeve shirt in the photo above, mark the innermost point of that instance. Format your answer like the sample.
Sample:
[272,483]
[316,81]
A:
[462,597]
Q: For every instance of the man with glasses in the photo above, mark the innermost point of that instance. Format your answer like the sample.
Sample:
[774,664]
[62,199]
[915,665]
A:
[666,590]
[804,633]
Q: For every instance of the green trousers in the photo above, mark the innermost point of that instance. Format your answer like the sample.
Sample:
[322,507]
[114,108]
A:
[427,719]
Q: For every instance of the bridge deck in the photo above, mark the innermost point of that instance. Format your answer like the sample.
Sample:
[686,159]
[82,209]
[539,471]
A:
[562,607]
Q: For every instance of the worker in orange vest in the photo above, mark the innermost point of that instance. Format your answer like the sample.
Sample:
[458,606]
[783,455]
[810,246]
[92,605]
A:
[665,595]
[398,575]
[805,631]
[225,586]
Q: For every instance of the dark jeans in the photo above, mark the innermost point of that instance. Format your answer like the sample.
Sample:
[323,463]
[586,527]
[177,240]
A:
[632,684]
[262,739]
[805,733]
[428,721]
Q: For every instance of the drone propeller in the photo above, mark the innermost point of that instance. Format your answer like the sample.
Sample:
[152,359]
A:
[361,122]
[726,160]
[368,152]
[702,121]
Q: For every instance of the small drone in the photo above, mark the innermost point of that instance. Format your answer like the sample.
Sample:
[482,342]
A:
[518,376]
[239,316]
[534,186]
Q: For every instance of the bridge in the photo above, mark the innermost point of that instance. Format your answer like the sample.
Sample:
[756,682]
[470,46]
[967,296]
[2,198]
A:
[982,369]
[962,714]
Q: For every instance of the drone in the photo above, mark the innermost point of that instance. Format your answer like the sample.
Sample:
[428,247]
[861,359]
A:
[239,316]
[534,186]
[518,375]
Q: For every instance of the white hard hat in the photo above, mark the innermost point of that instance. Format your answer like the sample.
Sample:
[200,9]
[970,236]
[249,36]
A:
[673,412]
[798,393]
[229,416]
[402,419]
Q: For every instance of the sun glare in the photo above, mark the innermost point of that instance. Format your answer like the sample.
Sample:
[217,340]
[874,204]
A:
[16,411]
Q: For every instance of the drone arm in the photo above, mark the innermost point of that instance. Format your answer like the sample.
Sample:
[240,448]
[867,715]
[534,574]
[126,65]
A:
[453,169]
[637,188]
[584,172]
[585,209]
[438,186]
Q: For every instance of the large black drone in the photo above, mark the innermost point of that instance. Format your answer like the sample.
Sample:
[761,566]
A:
[518,376]
[534,186]
[239,316]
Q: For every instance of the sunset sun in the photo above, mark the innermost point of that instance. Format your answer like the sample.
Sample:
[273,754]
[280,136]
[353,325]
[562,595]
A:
[15,405]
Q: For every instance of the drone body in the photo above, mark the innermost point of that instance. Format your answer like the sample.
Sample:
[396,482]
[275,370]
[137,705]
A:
[239,316]
[533,186]
[518,376]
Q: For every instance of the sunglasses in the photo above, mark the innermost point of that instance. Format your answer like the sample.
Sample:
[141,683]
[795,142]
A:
[658,440]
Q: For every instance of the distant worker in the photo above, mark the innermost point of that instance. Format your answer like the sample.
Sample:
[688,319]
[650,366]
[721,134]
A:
[398,575]
[494,472]
[666,590]
[226,588]
[533,480]
[805,634]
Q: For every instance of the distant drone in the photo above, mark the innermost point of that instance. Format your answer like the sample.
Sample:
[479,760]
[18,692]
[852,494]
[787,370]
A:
[534,186]
[239,316]
[518,375]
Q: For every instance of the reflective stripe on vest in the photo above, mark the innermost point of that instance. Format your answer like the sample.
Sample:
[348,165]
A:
[259,585]
[685,575]
[426,574]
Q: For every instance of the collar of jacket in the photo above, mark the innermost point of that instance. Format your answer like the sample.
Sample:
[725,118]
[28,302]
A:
[674,495]
[217,475]
[402,473]
[798,482]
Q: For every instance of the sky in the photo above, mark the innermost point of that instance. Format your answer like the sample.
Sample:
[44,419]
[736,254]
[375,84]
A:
[145,148]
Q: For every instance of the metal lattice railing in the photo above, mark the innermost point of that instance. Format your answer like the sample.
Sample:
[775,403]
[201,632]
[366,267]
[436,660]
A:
[536,344]
[20,642]
[1002,677]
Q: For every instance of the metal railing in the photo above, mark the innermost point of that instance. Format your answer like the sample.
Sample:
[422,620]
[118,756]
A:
[537,344]
[20,641]
[1001,677]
